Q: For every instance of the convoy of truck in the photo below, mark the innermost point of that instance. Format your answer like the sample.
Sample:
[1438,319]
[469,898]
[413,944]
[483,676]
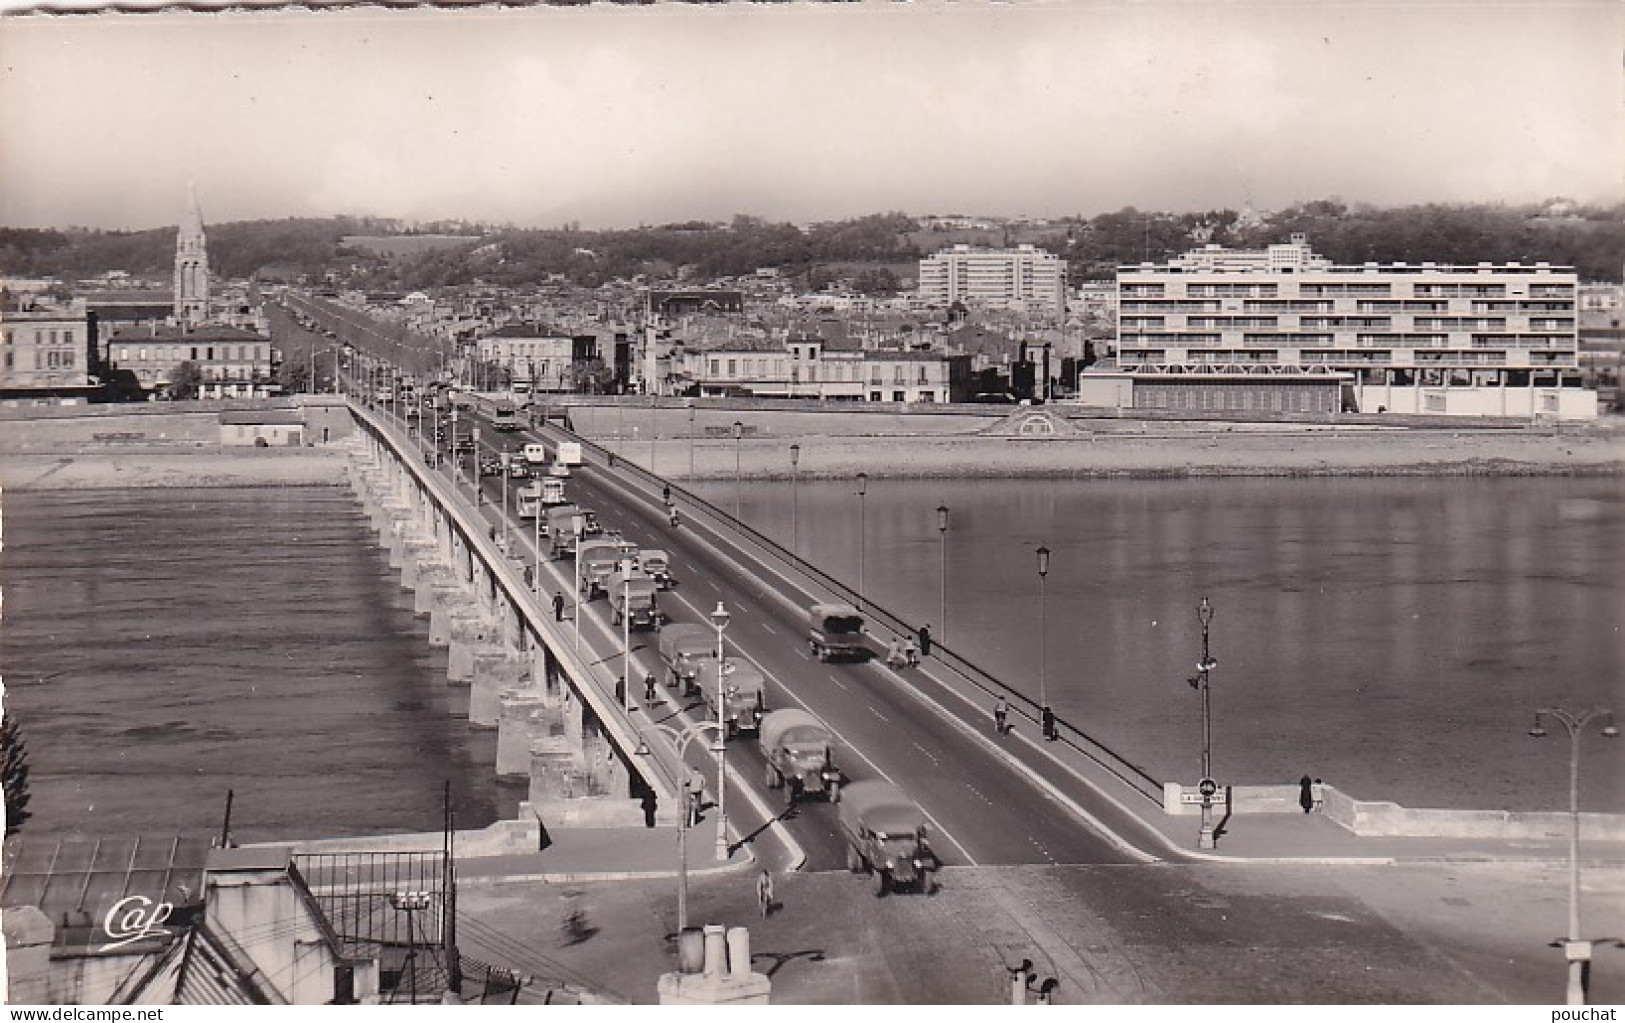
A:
[885,831]
[885,834]
[799,753]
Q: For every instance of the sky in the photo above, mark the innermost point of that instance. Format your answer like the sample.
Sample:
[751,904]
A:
[618,116]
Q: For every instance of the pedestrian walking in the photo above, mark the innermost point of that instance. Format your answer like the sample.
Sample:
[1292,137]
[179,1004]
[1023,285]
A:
[530,578]
[1317,792]
[558,606]
[1001,716]
[894,653]
[764,893]
[665,494]
[1049,725]
[620,690]
[911,653]
[696,792]
[649,687]
[1306,793]
[925,641]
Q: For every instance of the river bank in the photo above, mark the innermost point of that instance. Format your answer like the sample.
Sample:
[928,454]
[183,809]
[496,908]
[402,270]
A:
[1172,451]
[169,469]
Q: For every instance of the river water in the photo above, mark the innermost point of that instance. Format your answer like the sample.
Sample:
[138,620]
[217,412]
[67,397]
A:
[1393,635]
[162,647]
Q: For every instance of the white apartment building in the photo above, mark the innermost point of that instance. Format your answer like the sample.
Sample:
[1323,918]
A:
[44,347]
[1024,277]
[1416,338]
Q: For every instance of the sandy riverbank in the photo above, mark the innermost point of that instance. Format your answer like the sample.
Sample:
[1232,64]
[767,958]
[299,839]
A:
[245,467]
[1169,453]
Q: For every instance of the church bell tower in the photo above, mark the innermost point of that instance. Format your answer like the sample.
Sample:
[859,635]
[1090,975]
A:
[191,266]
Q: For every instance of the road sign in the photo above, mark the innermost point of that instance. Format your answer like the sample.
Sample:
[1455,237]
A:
[1196,798]
[1207,786]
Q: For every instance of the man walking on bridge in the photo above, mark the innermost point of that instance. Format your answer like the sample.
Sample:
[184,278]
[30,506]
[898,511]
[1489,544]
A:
[558,606]
[925,640]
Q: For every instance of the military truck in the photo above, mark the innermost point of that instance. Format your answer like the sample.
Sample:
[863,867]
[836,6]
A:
[886,837]
[835,630]
[561,530]
[598,560]
[799,751]
[740,699]
[656,564]
[683,647]
[632,598]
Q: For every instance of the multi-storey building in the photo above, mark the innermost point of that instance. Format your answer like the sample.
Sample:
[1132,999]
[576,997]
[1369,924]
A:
[232,362]
[1420,338]
[1020,278]
[44,350]
[808,368]
[536,358]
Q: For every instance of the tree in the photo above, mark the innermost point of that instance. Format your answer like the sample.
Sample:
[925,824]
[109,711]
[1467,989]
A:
[184,380]
[294,374]
[14,774]
[592,377]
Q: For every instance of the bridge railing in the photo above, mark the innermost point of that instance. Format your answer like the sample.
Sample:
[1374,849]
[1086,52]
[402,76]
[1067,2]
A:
[767,550]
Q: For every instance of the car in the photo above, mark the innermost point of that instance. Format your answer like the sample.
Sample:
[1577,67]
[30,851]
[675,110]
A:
[490,466]
[518,470]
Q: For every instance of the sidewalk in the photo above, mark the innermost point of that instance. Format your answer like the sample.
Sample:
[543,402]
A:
[608,854]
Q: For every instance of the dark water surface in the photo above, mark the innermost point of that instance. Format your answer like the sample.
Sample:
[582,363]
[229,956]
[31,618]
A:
[1393,636]
[163,646]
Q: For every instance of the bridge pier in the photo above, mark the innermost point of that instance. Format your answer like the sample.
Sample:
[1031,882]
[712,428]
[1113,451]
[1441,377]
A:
[495,670]
[524,677]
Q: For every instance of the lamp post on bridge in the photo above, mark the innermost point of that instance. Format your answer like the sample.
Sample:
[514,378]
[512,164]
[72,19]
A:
[863,535]
[1207,787]
[1043,639]
[719,618]
[682,739]
[1576,949]
[691,442]
[795,516]
[942,547]
[627,565]
[577,522]
[739,433]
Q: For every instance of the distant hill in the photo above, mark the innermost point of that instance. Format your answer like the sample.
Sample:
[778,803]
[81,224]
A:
[406,244]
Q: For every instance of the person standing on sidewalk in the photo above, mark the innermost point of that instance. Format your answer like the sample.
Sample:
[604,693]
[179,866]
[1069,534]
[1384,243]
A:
[649,687]
[924,637]
[764,893]
[1001,716]
[1306,793]
[1317,792]
[558,606]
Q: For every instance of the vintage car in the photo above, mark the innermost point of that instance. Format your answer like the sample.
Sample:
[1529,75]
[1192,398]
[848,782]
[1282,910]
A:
[683,647]
[886,837]
[656,564]
[799,753]
[736,694]
[632,599]
[835,630]
[598,560]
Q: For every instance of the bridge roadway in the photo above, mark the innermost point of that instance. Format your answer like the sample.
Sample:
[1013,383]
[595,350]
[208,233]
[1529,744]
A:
[984,810]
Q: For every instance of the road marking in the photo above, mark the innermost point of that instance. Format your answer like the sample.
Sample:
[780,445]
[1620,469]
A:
[877,713]
[838,682]
[928,754]
[770,628]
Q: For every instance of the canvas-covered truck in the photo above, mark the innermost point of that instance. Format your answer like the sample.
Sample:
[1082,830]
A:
[885,834]
[835,630]
[799,752]
[561,531]
[552,491]
[528,501]
[505,417]
[737,695]
[598,561]
[683,647]
[632,598]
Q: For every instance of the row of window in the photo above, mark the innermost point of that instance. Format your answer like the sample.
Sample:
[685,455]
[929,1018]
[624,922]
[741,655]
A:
[774,369]
[46,336]
[204,353]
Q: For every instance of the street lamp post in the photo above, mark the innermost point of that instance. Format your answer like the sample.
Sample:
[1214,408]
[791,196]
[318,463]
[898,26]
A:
[454,472]
[503,460]
[1576,949]
[1207,787]
[682,818]
[626,633]
[1043,638]
[863,534]
[536,552]
[474,470]
[577,521]
[795,516]
[942,574]
[739,432]
[654,430]
[719,618]
[691,442]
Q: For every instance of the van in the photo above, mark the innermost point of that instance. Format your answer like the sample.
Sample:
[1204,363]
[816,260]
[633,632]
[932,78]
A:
[535,456]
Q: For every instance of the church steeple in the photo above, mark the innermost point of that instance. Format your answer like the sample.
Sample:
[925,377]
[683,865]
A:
[191,266]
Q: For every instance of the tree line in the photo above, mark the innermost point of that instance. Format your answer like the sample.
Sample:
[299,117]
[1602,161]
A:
[859,252]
